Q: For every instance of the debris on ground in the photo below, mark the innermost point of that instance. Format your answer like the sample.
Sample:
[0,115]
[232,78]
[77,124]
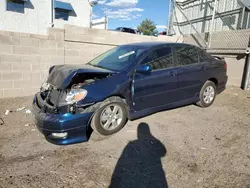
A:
[33,130]
[1,121]
[27,111]
[20,109]
[21,150]
[7,112]
[130,131]
[193,167]
[216,138]
[26,125]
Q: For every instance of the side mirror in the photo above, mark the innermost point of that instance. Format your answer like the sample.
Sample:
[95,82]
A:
[143,69]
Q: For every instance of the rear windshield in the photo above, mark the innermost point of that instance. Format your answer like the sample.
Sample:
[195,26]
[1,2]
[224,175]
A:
[118,58]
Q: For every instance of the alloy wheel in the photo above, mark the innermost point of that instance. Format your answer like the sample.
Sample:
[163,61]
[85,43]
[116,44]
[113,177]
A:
[208,95]
[111,117]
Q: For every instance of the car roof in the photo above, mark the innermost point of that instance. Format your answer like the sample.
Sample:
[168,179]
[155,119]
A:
[124,28]
[154,44]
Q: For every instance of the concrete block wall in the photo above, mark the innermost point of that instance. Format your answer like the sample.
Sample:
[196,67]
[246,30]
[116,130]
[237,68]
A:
[25,58]
[84,44]
[98,36]
[81,53]
[196,39]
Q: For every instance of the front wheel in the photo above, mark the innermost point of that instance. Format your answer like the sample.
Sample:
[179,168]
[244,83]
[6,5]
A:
[111,117]
[207,94]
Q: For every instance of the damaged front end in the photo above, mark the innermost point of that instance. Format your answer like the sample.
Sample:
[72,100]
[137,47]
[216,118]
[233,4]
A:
[59,108]
[65,100]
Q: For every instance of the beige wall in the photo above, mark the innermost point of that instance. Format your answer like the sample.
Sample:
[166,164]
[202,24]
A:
[235,70]
[26,58]
[83,44]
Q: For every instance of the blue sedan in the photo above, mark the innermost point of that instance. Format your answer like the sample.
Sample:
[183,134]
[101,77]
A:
[125,83]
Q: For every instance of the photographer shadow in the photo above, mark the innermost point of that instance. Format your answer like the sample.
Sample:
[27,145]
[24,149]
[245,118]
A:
[139,165]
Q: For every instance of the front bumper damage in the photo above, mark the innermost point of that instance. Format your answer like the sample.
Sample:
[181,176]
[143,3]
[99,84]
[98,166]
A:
[59,110]
[48,122]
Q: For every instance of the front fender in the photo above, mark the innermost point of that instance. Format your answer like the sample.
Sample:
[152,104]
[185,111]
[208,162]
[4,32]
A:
[116,85]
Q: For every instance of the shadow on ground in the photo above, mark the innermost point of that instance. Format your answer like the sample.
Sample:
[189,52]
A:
[140,163]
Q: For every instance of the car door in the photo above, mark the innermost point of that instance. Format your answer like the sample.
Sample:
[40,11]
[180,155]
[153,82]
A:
[191,72]
[158,87]
[205,62]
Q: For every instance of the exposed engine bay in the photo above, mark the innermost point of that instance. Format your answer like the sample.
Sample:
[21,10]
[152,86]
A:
[85,79]
[55,100]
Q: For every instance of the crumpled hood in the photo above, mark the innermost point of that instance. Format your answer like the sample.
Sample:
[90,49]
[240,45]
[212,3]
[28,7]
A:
[61,75]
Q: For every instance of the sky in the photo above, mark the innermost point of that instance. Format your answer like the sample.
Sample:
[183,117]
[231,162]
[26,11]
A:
[130,13]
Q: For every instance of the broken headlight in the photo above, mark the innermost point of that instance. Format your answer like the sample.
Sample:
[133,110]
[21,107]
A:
[75,95]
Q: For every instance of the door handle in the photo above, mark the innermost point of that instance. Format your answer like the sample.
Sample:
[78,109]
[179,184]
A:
[173,73]
[204,67]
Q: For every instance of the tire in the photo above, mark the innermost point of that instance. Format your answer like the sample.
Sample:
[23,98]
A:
[209,90]
[100,122]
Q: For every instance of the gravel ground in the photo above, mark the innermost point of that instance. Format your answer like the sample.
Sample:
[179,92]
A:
[184,147]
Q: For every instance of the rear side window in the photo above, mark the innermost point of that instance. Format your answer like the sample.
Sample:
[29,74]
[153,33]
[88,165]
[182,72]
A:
[203,56]
[160,58]
[186,55]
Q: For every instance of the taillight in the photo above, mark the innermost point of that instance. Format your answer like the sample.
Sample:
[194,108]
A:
[225,65]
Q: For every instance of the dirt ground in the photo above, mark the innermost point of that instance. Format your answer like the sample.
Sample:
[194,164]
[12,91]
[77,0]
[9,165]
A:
[184,147]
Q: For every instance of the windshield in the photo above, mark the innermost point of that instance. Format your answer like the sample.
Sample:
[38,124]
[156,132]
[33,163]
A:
[118,58]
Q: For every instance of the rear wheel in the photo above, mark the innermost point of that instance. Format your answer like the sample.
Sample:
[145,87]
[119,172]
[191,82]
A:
[207,94]
[110,117]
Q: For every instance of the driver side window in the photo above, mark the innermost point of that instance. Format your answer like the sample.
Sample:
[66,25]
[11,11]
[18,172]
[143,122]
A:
[160,59]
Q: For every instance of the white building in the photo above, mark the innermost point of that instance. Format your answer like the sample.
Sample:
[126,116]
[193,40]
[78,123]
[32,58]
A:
[35,16]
